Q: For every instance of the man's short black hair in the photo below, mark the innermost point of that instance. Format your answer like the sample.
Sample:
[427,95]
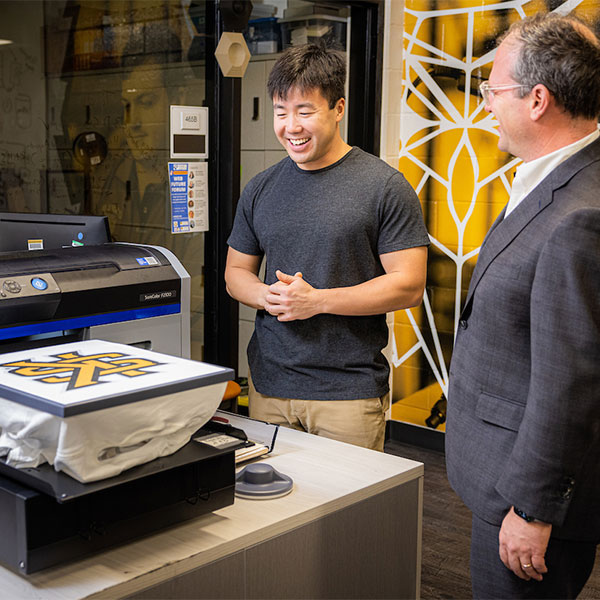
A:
[309,67]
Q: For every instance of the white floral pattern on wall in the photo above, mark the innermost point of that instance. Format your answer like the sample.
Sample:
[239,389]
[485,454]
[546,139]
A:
[449,154]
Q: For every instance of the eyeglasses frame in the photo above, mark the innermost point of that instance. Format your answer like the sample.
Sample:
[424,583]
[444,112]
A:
[487,91]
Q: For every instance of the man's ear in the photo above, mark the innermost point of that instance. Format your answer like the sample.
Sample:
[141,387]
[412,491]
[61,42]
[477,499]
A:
[540,100]
[340,107]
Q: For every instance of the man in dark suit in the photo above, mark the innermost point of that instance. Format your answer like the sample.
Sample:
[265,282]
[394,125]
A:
[523,430]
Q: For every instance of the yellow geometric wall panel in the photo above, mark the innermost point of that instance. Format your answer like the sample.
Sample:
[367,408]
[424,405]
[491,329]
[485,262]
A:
[448,152]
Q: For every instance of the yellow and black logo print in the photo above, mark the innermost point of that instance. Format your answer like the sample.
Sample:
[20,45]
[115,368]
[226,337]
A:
[81,371]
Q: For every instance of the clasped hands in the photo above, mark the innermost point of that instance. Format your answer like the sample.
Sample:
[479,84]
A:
[291,298]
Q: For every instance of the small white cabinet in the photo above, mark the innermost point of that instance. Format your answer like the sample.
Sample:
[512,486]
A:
[257,107]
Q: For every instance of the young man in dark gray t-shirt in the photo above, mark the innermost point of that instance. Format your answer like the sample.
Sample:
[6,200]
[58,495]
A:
[344,242]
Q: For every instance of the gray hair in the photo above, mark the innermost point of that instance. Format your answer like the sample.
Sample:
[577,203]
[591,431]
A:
[563,54]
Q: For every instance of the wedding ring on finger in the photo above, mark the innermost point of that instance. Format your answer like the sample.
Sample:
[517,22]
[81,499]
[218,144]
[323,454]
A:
[527,566]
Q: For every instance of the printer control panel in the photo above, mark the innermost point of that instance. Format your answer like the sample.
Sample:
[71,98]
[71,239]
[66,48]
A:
[27,286]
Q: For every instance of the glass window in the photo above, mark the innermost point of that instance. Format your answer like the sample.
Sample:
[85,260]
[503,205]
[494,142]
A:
[84,115]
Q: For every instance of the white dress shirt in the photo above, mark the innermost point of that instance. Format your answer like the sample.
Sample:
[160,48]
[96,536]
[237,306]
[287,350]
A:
[530,174]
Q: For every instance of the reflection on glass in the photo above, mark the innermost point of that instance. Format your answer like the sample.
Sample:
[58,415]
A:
[84,119]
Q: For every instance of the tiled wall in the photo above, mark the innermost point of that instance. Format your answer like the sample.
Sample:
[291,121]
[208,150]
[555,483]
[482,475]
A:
[437,133]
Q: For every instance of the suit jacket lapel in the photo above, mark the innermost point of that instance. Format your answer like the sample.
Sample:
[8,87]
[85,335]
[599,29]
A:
[504,230]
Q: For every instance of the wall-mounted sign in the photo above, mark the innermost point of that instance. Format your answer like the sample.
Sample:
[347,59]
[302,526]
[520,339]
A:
[189,132]
[188,187]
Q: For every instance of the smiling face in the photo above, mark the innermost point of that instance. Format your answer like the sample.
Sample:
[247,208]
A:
[308,129]
[511,111]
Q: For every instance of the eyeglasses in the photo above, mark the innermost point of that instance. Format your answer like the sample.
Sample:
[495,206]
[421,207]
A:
[488,91]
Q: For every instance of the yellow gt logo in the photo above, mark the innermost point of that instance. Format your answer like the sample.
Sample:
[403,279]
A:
[81,371]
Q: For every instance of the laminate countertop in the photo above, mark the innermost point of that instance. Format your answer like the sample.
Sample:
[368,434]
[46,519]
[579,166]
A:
[328,477]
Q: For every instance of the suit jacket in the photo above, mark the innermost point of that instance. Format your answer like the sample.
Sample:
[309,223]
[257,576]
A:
[523,424]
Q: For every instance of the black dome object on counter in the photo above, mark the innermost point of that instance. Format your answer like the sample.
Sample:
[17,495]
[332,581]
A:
[262,482]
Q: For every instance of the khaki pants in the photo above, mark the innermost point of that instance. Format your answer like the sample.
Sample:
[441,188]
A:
[358,422]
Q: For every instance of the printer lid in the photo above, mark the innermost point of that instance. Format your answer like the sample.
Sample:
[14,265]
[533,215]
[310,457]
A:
[122,257]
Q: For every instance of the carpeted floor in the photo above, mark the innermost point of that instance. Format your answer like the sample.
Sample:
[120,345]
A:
[446,532]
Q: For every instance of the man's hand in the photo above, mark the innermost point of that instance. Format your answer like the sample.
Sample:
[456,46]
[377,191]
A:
[523,546]
[292,298]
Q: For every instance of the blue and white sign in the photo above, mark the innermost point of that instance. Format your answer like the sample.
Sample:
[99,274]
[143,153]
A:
[188,186]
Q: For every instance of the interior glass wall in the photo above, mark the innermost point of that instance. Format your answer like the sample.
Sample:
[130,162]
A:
[85,89]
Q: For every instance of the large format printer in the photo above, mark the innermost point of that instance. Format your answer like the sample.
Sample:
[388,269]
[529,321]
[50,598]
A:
[124,293]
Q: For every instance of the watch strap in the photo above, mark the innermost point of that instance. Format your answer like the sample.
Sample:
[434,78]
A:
[523,515]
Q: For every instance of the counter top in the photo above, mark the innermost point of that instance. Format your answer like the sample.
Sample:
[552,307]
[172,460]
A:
[328,476]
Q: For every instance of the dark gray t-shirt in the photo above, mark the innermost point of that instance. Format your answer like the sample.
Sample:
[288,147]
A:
[330,224]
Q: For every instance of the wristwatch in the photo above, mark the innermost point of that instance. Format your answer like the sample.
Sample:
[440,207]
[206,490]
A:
[523,515]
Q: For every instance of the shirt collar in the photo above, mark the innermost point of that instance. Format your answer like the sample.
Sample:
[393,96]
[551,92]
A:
[533,172]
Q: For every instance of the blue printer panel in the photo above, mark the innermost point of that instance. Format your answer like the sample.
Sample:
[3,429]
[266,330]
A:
[28,297]
[83,287]
[24,286]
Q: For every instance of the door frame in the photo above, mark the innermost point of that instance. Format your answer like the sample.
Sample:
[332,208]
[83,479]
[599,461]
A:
[223,94]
